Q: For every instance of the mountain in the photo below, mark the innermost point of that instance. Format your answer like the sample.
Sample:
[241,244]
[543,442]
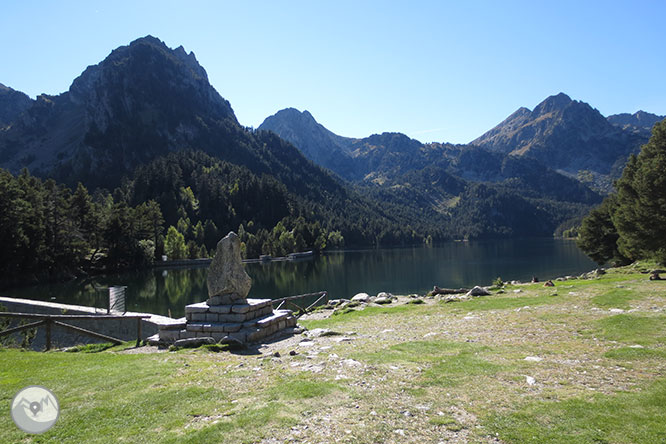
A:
[12,104]
[394,158]
[565,134]
[639,122]
[143,101]
[315,142]
[128,123]
[481,193]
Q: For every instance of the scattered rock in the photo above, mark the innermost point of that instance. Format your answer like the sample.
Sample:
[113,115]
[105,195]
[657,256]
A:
[293,353]
[416,301]
[654,275]
[533,359]
[518,290]
[382,300]
[233,343]
[454,298]
[478,291]
[530,380]
[636,346]
[320,332]
[345,339]
[276,354]
[361,297]
[616,310]
[194,342]
[351,363]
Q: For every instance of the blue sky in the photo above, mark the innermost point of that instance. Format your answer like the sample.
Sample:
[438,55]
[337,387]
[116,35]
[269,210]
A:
[436,70]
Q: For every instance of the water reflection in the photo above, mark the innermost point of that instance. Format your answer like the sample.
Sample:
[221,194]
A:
[342,274]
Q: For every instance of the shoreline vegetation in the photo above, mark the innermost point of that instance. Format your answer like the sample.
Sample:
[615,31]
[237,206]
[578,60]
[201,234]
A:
[582,361]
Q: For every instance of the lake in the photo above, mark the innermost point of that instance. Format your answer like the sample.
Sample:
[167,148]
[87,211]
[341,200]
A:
[341,273]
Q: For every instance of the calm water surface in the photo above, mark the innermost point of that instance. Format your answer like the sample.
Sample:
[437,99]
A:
[342,274]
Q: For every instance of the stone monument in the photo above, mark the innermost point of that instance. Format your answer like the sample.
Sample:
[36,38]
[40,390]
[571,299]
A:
[227,315]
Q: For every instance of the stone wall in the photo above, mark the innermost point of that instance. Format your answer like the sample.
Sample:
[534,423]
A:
[124,329]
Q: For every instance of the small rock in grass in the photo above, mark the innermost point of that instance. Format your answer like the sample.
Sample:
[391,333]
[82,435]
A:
[533,359]
[383,300]
[351,363]
[320,332]
[530,380]
[636,346]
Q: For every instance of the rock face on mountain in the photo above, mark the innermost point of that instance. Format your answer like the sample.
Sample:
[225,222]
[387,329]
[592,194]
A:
[144,99]
[316,142]
[639,122]
[564,134]
[12,104]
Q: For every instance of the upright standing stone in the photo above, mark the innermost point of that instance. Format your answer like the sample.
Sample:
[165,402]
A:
[228,316]
[227,280]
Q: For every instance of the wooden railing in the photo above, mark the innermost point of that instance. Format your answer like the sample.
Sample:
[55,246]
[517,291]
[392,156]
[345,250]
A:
[289,300]
[48,321]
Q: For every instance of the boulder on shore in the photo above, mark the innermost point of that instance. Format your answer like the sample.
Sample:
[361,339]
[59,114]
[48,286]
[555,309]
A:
[478,291]
[361,297]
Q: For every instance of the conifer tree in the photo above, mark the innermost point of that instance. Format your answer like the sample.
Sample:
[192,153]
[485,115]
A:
[640,216]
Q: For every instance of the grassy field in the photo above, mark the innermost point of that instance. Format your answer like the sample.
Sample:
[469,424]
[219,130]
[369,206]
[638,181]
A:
[583,362]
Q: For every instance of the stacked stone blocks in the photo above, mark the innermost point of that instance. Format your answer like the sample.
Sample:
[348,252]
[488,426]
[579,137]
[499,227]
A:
[227,314]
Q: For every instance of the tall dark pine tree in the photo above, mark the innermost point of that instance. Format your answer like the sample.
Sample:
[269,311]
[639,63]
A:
[640,216]
[598,236]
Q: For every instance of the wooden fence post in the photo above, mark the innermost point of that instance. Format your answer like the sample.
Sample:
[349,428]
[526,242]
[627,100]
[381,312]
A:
[138,332]
[48,334]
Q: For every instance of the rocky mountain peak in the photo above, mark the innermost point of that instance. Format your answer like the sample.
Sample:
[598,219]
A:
[565,134]
[553,103]
[142,100]
[12,104]
[315,141]
[135,80]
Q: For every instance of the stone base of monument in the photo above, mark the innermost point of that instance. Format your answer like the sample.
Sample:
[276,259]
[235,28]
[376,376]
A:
[247,321]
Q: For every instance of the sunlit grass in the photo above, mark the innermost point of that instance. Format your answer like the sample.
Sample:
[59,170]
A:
[621,418]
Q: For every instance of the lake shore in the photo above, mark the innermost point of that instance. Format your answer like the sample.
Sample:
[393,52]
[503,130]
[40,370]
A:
[580,362]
